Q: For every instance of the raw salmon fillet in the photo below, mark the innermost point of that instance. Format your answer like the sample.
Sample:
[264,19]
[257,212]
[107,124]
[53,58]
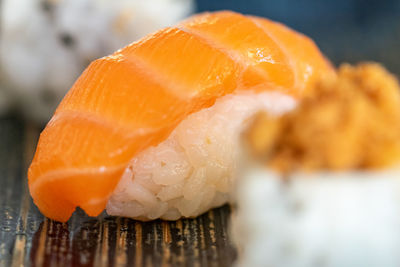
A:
[133,99]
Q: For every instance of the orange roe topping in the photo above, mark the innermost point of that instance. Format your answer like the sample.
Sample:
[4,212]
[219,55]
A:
[351,121]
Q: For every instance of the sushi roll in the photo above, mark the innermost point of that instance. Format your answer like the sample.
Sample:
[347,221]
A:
[46,44]
[321,186]
[152,130]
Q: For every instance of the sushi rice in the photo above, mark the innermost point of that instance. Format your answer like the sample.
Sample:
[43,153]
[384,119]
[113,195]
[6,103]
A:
[193,170]
[330,219]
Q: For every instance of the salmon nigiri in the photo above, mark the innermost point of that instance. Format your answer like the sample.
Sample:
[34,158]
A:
[151,131]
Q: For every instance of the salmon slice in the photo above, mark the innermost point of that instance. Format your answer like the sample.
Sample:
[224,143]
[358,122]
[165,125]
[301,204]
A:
[306,59]
[262,60]
[133,99]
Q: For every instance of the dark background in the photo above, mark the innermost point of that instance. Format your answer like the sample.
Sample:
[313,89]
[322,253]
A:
[345,30]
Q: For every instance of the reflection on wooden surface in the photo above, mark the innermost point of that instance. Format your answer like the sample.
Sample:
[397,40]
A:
[27,238]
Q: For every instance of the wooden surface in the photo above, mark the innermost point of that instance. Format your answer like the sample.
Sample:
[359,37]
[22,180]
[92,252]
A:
[29,239]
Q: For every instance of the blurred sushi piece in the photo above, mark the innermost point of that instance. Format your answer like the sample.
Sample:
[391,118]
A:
[46,44]
[320,185]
